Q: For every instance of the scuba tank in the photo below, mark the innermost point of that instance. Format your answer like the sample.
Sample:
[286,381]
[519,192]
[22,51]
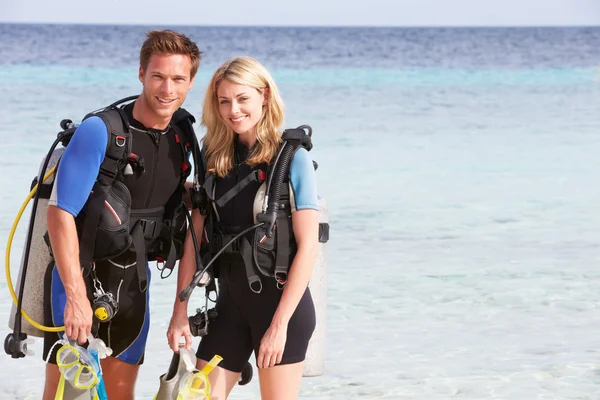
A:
[37,255]
[39,259]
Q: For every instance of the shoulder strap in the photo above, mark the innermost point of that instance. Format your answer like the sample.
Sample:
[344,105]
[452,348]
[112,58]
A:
[203,161]
[182,122]
[117,149]
[182,114]
[118,146]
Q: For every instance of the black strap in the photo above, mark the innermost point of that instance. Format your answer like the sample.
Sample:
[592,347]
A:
[148,224]
[169,262]
[139,245]
[45,191]
[150,220]
[282,257]
[182,114]
[183,141]
[216,243]
[253,279]
[231,193]
[323,232]
[209,186]
[183,122]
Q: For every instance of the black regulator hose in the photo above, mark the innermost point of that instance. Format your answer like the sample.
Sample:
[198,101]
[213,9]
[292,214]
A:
[274,195]
[187,292]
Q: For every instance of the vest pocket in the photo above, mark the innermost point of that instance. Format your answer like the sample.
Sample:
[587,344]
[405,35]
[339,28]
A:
[264,251]
[112,237]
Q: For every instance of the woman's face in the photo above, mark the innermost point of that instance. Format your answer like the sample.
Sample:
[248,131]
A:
[241,107]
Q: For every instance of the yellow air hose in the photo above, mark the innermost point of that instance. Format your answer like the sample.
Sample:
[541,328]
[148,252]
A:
[7,260]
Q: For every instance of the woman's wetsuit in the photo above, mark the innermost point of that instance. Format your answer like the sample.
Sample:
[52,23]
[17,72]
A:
[244,316]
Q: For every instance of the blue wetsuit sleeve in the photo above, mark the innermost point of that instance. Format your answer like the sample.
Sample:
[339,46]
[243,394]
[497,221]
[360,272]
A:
[303,180]
[79,166]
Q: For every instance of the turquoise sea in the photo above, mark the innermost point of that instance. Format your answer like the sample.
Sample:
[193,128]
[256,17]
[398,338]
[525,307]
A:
[461,171]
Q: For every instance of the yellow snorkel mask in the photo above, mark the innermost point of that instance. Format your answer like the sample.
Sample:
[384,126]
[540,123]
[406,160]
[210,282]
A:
[75,367]
[195,385]
[80,366]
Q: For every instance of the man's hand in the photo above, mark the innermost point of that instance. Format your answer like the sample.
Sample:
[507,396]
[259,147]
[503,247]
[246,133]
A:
[78,317]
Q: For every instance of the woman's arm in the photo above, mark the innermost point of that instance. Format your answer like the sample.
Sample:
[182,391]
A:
[306,231]
[305,221]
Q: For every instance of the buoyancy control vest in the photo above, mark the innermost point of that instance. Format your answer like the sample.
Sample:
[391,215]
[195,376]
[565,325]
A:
[257,201]
[136,203]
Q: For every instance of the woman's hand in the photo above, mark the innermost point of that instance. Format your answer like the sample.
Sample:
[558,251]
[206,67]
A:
[178,327]
[272,345]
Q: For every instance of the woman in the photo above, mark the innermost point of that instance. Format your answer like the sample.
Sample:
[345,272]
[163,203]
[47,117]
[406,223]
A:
[243,114]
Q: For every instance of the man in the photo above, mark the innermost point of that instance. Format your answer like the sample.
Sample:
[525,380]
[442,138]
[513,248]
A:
[152,181]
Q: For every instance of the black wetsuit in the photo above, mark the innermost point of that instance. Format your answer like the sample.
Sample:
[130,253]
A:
[243,315]
[163,158]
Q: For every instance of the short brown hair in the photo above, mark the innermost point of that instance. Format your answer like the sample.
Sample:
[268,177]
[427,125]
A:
[170,42]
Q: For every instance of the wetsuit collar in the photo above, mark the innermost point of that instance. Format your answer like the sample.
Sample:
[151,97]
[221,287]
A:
[241,151]
[135,124]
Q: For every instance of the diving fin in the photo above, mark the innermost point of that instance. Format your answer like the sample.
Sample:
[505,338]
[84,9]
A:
[169,382]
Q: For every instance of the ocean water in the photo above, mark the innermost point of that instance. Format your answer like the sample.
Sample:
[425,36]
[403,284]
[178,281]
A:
[460,167]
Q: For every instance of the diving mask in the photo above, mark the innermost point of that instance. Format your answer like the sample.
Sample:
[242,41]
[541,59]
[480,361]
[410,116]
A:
[78,365]
[195,385]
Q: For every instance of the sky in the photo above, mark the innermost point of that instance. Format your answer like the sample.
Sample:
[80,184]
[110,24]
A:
[307,12]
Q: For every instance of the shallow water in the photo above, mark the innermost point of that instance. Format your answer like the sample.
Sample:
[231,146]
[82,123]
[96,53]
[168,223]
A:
[460,170]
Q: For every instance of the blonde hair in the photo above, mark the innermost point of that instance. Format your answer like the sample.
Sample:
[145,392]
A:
[219,138]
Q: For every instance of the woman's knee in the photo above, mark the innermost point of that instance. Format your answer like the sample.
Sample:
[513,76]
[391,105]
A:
[221,380]
[270,381]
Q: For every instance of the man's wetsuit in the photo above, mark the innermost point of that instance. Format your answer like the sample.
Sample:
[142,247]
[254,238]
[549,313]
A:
[78,169]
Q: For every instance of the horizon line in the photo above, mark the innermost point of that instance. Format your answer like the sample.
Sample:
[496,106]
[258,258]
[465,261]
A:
[424,26]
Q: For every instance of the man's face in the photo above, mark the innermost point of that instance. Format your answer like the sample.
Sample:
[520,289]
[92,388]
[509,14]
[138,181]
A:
[166,82]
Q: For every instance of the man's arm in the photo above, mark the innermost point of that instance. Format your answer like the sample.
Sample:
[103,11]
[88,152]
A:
[77,172]
[179,325]
[65,247]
